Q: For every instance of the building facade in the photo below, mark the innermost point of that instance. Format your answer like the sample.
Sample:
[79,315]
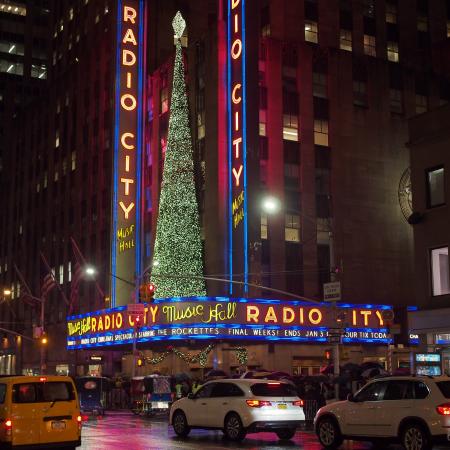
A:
[321,92]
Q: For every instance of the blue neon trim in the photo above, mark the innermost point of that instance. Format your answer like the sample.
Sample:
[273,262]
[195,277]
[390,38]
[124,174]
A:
[116,157]
[412,308]
[230,160]
[244,151]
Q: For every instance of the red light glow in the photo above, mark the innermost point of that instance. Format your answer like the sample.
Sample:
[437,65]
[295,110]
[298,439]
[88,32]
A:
[299,403]
[258,403]
[444,410]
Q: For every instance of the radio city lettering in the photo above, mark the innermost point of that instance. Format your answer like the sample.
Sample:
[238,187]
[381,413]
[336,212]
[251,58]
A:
[166,319]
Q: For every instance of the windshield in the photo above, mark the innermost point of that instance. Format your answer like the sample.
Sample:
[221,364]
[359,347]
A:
[273,390]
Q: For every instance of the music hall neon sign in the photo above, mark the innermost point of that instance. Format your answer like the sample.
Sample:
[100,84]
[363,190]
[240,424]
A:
[237,141]
[125,260]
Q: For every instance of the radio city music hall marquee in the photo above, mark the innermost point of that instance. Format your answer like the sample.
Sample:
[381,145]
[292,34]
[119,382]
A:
[226,318]
[125,261]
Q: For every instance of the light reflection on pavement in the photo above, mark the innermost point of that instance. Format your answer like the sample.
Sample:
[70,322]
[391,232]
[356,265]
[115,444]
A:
[125,431]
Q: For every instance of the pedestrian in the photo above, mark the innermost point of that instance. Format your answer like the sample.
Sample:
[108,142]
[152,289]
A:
[196,386]
[178,390]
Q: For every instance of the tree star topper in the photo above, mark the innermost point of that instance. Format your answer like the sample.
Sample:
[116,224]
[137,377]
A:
[178,24]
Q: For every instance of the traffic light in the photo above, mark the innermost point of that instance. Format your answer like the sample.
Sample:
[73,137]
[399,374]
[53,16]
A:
[137,321]
[327,354]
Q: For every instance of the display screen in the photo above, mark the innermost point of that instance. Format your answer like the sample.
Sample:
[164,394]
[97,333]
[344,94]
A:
[428,370]
[428,357]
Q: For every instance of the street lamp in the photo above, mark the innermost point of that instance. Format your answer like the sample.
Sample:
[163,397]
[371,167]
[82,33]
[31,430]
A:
[271,205]
[7,292]
[90,270]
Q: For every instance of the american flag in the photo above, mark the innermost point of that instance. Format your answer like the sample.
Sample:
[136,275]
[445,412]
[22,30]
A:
[48,283]
[76,277]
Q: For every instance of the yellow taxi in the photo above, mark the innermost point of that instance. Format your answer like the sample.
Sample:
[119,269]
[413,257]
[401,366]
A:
[41,412]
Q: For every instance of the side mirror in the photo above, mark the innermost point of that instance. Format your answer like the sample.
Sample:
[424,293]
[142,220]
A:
[191,396]
[351,398]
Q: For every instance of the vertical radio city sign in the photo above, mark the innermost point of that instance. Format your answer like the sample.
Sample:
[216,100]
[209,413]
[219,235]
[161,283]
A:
[237,140]
[129,102]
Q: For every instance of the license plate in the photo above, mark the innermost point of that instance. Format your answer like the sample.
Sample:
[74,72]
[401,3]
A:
[282,406]
[160,405]
[58,425]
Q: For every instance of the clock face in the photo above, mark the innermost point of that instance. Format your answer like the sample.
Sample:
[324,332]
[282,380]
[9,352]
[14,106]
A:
[405,193]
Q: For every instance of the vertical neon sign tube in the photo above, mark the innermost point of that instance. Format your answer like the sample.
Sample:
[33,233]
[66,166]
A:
[128,141]
[237,141]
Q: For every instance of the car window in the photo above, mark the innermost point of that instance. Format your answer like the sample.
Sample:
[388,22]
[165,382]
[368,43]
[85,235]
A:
[373,392]
[2,393]
[420,390]
[48,392]
[205,391]
[444,387]
[273,389]
[24,393]
[226,390]
[399,390]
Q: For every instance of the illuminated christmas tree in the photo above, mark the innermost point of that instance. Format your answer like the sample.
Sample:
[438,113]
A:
[178,245]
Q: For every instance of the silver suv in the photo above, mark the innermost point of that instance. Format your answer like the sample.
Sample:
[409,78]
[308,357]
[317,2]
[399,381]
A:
[414,411]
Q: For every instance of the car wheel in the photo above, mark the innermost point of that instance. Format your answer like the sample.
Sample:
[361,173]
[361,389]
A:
[286,433]
[180,425]
[233,428]
[328,433]
[415,437]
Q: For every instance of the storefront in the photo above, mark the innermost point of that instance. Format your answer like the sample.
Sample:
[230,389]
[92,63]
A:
[292,336]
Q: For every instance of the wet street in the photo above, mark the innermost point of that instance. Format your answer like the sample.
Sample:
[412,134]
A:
[119,430]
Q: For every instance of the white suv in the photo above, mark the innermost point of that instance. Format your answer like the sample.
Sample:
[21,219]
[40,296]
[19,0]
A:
[238,407]
[412,410]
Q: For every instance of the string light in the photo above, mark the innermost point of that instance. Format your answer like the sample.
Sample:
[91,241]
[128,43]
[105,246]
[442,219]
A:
[178,245]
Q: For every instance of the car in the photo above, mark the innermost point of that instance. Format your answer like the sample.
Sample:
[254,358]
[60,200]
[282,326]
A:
[412,410]
[39,412]
[238,407]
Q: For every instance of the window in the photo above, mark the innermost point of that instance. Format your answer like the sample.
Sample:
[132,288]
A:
[392,51]
[370,45]
[321,132]
[24,393]
[264,226]
[11,8]
[311,34]
[262,122]
[391,13]
[422,23]
[39,71]
[61,274]
[11,67]
[444,387]
[440,271]
[226,390]
[435,187]
[69,271]
[369,8]
[273,390]
[290,127]
[164,100]
[421,390]
[345,41]
[73,165]
[372,392]
[399,390]
[320,85]
[13,48]
[421,104]
[396,100]
[292,228]
[360,93]
[448,28]
[2,393]
[205,391]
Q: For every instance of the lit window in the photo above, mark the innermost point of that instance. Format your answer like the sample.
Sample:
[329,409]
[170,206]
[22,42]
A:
[392,51]
[97,18]
[345,41]
[290,127]
[262,122]
[263,226]
[370,45]
[13,48]
[440,271]
[13,8]
[61,274]
[69,271]
[56,177]
[39,71]
[396,100]
[57,138]
[435,187]
[323,231]
[422,23]
[421,104]
[320,85]
[73,165]
[70,13]
[164,100]
[391,13]
[11,67]
[321,132]
[265,30]
[359,93]
[61,25]
[38,188]
[292,228]
[311,34]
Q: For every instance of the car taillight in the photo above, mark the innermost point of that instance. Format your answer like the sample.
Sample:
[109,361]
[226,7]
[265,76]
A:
[79,421]
[258,403]
[444,409]
[298,403]
[8,427]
